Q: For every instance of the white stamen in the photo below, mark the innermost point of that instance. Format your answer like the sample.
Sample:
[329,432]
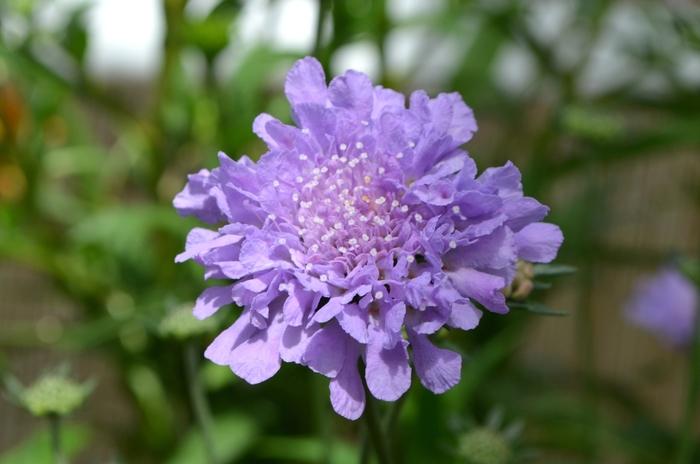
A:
[303,157]
[455,209]
[418,217]
[295,196]
[275,183]
[301,219]
[388,238]
[378,295]
[271,217]
[308,266]
[343,147]
[324,169]
[404,208]
[314,247]
[453,244]
[373,252]
[282,241]
[394,203]
[337,226]
[305,130]
[299,179]
[412,144]
[410,259]
[323,278]
[359,145]
[380,200]
[399,155]
[381,170]
[352,241]
[342,249]
[363,155]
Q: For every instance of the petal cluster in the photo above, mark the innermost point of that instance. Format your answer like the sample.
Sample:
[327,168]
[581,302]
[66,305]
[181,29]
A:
[361,231]
[666,305]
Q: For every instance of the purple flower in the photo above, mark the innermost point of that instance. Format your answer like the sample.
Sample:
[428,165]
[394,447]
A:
[362,231]
[665,304]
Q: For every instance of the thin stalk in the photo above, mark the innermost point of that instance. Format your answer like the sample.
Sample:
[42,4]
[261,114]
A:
[376,433]
[392,426]
[319,50]
[366,449]
[55,437]
[198,400]
[323,418]
[686,442]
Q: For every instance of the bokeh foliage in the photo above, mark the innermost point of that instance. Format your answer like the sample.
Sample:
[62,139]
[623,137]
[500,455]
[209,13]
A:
[88,169]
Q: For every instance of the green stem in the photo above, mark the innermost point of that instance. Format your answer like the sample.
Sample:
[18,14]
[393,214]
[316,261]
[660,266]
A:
[55,435]
[198,400]
[686,442]
[319,49]
[366,449]
[377,436]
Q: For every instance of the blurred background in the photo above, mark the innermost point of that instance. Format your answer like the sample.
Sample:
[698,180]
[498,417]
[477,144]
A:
[106,105]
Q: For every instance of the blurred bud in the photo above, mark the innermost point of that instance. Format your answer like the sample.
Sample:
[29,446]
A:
[133,337]
[484,446]
[55,131]
[13,183]
[181,324]
[11,110]
[120,305]
[522,284]
[588,124]
[49,329]
[54,394]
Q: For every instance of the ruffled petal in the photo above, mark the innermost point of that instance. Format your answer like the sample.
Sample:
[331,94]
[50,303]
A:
[438,369]
[347,392]
[387,372]
[306,82]
[258,358]
[325,352]
[211,300]
[539,242]
[482,287]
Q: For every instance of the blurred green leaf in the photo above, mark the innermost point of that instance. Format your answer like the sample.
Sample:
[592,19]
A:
[305,450]
[536,308]
[37,449]
[547,270]
[232,435]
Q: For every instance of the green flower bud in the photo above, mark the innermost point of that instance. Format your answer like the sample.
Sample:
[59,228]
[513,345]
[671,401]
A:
[522,284]
[181,324]
[484,446]
[54,394]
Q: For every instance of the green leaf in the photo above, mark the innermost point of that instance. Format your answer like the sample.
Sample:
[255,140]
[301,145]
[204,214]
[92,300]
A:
[233,434]
[37,450]
[537,308]
[553,270]
[302,449]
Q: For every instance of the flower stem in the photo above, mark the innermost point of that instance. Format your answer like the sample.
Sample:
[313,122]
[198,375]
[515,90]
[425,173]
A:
[685,437]
[55,434]
[377,436]
[198,401]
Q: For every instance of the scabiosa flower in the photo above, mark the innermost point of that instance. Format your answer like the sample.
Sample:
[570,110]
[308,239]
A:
[666,305]
[361,232]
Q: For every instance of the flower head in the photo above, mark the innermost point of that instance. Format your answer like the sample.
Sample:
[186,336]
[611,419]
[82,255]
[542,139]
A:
[665,304]
[362,231]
